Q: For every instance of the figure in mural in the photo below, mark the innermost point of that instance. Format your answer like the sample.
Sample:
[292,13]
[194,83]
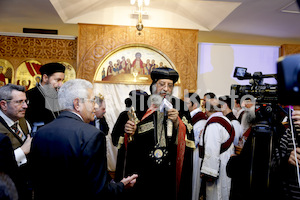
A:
[128,66]
[137,64]
[2,76]
[147,67]
[103,73]
[153,65]
[69,72]
[37,80]
[24,83]
[110,68]
[161,64]
[8,74]
[123,65]
[115,69]
[119,66]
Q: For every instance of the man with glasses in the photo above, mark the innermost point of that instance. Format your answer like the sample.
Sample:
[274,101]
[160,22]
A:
[68,155]
[161,150]
[13,104]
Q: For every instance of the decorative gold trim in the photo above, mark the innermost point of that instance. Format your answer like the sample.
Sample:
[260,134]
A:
[145,127]
[120,142]
[189,143]
[188,125]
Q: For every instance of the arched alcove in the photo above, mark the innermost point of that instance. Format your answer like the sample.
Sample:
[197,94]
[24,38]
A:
[131,64]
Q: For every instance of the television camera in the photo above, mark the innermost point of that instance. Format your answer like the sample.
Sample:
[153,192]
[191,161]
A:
[263,93]
[265,130]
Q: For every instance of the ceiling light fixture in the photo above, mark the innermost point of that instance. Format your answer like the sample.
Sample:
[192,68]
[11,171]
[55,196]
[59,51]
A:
[140,5]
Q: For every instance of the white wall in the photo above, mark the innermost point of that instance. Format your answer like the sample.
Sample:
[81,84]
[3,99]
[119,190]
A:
[216,64]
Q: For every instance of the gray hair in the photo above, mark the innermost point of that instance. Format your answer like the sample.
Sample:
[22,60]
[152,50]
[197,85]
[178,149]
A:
[72,89]
[6,90]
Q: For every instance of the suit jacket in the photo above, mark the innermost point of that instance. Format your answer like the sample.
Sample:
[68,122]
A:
[68,159]
[21,175]
[15,139]
[36,111]
[8,164]
[103,125]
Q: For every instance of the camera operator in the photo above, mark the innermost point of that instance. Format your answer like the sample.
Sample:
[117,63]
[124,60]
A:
[285,159]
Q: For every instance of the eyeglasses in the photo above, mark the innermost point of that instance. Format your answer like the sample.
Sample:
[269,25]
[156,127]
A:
[89,100]
[163,84]
[19,102]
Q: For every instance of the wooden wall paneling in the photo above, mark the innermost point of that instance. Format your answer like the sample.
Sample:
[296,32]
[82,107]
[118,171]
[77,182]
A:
[17,49]
[288,49]
[95,42]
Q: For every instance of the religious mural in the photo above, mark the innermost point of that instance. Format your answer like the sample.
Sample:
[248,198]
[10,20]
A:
[6,72]
[28,73]
[131,64]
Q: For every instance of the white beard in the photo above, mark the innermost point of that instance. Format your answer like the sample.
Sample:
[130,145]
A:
[248,118]
[155,99]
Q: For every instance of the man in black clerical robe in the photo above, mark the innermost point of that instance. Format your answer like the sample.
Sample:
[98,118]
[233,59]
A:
[135,98]
[43,107]
[160,152]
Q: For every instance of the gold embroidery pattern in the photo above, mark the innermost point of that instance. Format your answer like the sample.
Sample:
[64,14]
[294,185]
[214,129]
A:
[189,143]
[145,127]
[188,125]
[120,142]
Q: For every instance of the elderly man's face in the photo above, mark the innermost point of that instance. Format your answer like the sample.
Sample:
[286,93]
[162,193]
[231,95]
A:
[164,87]
[16,107]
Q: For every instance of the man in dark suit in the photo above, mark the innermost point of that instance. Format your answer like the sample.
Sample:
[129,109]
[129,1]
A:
[68,155]
[8,169]
[100,110]
[43,106]
[13,104]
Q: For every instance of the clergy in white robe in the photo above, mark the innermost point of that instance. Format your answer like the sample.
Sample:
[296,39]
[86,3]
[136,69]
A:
[214,163]
[198,121]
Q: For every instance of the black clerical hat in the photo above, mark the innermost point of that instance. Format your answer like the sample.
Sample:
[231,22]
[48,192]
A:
[164,73]
[51,68]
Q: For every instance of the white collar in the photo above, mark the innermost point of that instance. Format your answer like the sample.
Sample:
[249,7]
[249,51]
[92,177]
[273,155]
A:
[216,114]
[77,115]
[194,112]
[9,121]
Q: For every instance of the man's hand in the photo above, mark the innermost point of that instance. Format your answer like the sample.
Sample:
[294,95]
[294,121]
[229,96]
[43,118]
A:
[27,144]
[292,159]
[296,117]
[173,116]
[130,127]
[129,181]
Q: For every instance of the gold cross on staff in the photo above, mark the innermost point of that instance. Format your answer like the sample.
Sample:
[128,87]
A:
[132,117]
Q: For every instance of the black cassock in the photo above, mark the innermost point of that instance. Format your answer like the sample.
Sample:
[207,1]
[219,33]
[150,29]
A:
[156,164]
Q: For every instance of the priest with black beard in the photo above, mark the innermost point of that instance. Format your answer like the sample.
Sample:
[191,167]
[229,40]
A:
[43,106]
[160,146]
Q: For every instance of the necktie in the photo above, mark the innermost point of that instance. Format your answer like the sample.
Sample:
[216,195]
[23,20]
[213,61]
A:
[17,131]
[97,124]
